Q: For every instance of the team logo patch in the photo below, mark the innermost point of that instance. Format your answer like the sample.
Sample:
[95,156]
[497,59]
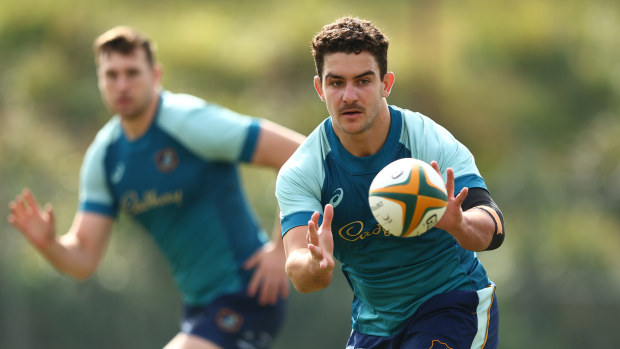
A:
[228,320]
[436,344]
[166,160]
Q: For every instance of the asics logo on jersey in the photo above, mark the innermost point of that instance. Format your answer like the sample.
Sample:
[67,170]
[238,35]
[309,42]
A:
[337,198]
[118,173]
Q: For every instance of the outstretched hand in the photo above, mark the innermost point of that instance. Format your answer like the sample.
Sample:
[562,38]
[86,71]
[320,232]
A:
[35,223]
[452,219]
[320,240]
[269,279]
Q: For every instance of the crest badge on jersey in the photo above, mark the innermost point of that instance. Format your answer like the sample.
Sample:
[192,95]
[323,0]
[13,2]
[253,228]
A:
[166,160]
[228,320]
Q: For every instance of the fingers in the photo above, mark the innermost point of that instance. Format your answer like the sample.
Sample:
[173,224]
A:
[316,252]
[328,215]
[268,294]
[252,261]
[312,237]
[254,283]
[260,281]
[450,182]
[50,214]
[17,208]
[461,197]
[19,212]
[24,204]
[31,201]
[272,289]
[284,289]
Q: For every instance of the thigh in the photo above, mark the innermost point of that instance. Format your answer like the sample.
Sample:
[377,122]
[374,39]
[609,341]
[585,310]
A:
[188,341]
[235,321]
[364,341]
[455,320]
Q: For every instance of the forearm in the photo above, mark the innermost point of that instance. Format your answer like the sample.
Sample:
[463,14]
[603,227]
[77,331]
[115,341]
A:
[305,273]
[476,230]
[67,255]
[78,252]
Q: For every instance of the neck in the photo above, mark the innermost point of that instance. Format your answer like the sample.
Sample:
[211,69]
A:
[371,140]
[137,125]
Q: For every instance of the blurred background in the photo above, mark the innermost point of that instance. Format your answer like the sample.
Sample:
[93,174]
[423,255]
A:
[531,87]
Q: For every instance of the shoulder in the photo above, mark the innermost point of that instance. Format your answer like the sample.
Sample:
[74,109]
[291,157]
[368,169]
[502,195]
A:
[420,130]
[107,135]
[180,101]
[188,114]
[310,153]
[177,105]
[207,129]
[305,169]
[415,122]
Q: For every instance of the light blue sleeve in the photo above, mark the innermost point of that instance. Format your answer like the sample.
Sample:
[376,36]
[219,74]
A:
[211,131]
[430,141]
[299,182]
[94,193]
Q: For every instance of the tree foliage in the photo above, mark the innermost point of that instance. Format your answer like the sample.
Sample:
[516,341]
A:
[531,87]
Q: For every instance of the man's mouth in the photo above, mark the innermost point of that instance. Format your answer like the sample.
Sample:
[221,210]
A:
[123,101]
[350,112]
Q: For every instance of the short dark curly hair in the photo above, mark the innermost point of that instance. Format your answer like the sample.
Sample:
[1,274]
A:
[350,35]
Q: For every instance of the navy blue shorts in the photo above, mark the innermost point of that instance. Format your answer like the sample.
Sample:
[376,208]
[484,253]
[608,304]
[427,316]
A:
[235,321]
[453,320]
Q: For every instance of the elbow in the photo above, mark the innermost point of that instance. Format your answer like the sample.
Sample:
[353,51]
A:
[311,287]
[80,274]
[309,282]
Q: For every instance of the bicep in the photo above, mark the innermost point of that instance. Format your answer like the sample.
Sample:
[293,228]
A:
[275,144]
[295,239]
[91,232]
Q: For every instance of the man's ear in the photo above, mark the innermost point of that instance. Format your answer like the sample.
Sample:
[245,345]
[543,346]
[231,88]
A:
[318,86]
[388,82]
[158,71]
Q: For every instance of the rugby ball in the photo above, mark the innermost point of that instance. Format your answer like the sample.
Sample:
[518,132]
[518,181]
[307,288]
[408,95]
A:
[407,197]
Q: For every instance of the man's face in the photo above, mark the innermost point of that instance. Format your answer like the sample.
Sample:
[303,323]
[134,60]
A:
[352,90]
[127,83]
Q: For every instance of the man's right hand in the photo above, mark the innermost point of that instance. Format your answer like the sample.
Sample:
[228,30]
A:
[35,223]
[321,241]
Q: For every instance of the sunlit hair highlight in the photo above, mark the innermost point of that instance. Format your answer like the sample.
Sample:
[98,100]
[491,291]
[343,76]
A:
[124,40]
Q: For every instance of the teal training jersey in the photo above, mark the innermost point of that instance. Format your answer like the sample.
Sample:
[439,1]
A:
[180,181]
[390,276]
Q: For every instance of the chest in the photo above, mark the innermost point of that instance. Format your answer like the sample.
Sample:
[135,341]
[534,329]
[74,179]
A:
[158,172]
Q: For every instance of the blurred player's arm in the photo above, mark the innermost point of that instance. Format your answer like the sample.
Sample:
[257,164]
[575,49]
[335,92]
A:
[274,146]
[309,250]
[76,253]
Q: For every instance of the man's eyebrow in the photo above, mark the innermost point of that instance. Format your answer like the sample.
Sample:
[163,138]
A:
[334,76]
